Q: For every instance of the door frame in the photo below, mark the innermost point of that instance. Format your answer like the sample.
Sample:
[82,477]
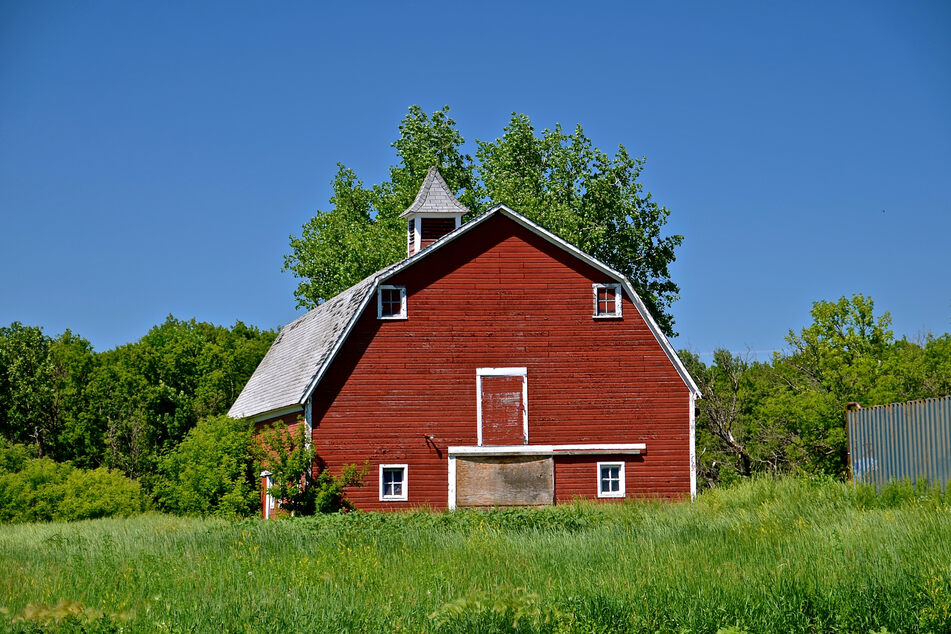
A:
[481,372]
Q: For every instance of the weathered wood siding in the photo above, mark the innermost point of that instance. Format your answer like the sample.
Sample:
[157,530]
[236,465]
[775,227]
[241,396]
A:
[508,481]
[503,421]
[500,296]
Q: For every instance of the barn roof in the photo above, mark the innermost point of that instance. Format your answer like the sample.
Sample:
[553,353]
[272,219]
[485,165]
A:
[305,348]
[434,198]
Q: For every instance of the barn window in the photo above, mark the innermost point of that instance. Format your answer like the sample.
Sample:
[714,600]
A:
[391,302]
[607,300]
[394,482]
[610,479]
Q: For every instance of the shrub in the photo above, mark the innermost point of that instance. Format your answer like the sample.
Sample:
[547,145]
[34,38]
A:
[12,457]
[286,454]
[211,472]
[99,493]
[35,492]
[45,490]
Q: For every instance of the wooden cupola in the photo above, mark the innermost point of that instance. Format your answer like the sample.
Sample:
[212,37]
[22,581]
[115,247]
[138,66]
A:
[433,214]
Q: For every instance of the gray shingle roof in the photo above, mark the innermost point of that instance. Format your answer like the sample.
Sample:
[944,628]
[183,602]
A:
[301,349]
[435,198]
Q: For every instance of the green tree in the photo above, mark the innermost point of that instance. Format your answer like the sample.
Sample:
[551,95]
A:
[557,179]
[148,394]
[788,415]
[79,438]
[27,388]
[211,472]
[361,232]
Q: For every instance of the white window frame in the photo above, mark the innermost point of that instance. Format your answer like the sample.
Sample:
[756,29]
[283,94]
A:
[379,302]
[395,498]
[522,372]
[617,301]
[612,494]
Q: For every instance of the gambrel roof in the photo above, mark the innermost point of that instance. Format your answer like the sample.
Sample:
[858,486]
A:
[306,347]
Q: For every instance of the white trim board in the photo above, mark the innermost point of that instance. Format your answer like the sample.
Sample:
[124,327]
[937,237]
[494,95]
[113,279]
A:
[693,446]
[548,450]
[481,372]
[276,413]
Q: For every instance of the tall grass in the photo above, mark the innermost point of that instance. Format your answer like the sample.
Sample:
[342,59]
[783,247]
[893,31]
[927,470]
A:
[770,555]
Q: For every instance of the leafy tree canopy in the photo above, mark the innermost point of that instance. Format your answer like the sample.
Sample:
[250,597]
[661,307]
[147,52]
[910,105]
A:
[557,179]
[788,415]
[126,407]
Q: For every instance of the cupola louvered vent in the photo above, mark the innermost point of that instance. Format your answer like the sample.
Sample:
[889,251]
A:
[433,214]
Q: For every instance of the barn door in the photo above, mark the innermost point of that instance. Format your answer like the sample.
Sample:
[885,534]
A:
[502,406]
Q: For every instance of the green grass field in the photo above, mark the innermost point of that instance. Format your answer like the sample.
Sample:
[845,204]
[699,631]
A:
[768,556]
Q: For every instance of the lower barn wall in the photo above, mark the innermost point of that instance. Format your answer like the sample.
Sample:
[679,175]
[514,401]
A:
[576,477]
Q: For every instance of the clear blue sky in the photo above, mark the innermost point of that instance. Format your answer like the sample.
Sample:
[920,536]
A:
[155,160]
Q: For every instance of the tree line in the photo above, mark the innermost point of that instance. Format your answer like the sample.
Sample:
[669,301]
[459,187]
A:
[151,412]
[787,414]
[87,434]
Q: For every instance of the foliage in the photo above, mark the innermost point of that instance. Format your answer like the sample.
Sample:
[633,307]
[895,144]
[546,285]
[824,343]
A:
[150,393]
[594,201]
[557,179]
[126,407]
[287,453]
[40,489]
[788,415]
[211,472]
[361,233]
[26,385]
[790,555]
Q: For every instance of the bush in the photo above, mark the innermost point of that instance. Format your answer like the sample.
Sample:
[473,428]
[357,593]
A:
[35,492]
[211,472]
[99,493]
[40,489]
[285,452]
[13,457]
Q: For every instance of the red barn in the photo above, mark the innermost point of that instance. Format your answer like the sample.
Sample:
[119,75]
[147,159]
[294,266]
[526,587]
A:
[496,365]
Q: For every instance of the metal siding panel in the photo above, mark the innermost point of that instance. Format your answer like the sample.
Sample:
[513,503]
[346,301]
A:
[902,440]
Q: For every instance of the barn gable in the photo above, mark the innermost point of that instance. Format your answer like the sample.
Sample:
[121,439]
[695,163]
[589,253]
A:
[305,348]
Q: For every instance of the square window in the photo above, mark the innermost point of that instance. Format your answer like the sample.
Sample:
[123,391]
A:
[607,300]
[610,479]
[391,302]
[394,483]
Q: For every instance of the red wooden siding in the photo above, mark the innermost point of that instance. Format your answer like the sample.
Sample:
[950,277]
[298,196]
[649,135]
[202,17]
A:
[502,410]
[402,392]
[577,477]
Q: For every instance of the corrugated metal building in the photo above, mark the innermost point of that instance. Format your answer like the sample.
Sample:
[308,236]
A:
[903,440]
